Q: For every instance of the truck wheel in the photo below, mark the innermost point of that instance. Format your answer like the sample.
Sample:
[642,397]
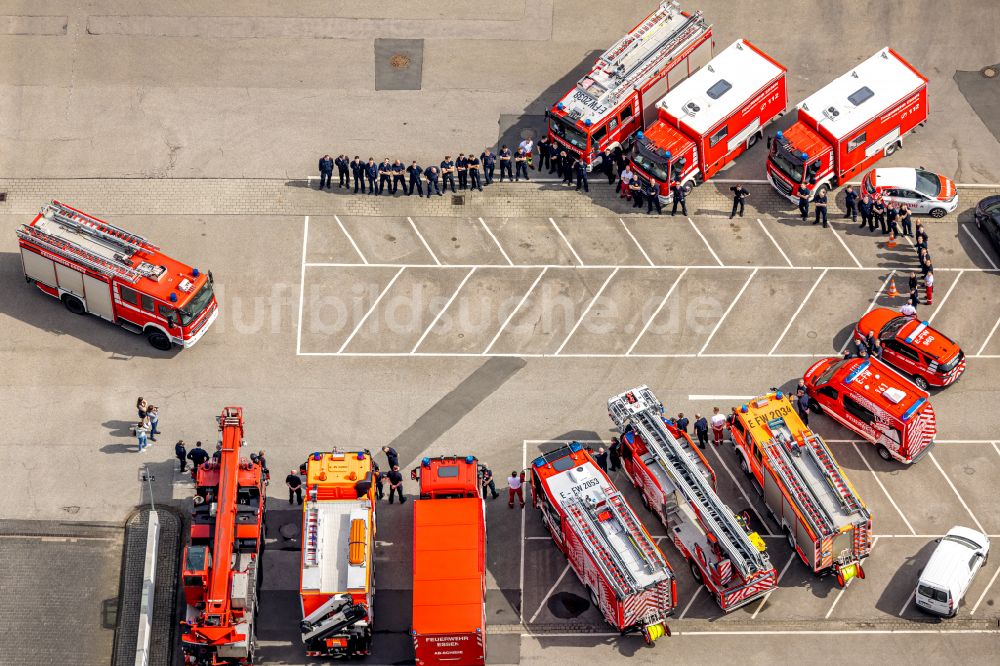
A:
[159,340]
[920,382]
[645,502]
[688,186]
[754,138]
[815,407]
[744,467]
[891,148]
[696,572]
[74,304]
[883,453]
[593,598]
[938,213]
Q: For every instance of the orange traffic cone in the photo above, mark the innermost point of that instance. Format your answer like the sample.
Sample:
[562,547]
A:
[892,292]
[891,243]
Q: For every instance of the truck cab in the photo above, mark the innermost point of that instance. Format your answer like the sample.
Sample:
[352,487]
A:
[449,477]
[797,157]
[664,153]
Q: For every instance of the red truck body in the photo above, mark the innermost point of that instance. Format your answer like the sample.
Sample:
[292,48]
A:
[849,125]
[449,563]
[711,118]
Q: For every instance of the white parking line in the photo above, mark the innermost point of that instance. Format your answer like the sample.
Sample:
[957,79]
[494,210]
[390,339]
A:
[514,311]
[370,310]
[957,494]
[728,310]
[882,486]
[353,244]
[790,265]
[802,304]
[646,326]
[549,594]
[625,226]
[587,311]
[524,465]
[906,604]
[892,274]
[996,448]
[841,240]
[690,602]
[705,240]
[946,295]
[657,267]
[566,240]
[988,337]
[781,574]
[769,632]
[983,595]
[495,240]
[302,285]
[737,398]
[424,241]
[846,585]
[739,486]
[442,311]
[589,355]
[965,227]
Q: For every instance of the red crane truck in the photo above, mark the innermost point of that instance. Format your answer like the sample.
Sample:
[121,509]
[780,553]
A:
[449,562]
[222,562]
[615,100]
[610,551]
[847,126]
[711,118]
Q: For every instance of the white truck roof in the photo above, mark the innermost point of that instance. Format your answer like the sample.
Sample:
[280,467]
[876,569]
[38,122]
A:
[719,88]
[851,100]
[332,571]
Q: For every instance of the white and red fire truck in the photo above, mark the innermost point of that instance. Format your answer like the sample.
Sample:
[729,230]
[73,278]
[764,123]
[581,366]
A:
[711,118]
[849,125]
[616,99]
[93,266]
[677,484]
[625,572]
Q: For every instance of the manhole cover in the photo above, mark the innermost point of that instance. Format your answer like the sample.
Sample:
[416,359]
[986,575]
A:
[399,61]
[289,531]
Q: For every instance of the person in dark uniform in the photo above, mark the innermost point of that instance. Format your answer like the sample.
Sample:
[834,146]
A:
[618,157]
[343,171]
[358,171]
[197,456]
[379,477]
[652,192]
[181,452]
[802,406]
[488,484]
[740,195]
[325,171]
[912,281]
[701,430]
[635,187]
[475,183]
[891,213]
[905,221]
[414,170]
[294,483]
[395,484]
[505,166]
[851,203]
[544,154]
[678,192]
[385,176]
[489,165]
[447,173]
[819,202]
[615,454]
[804,195]
[607,166]
[878,214]
[398,176]
[520,165]
[581,177]
[462,166]
[601,458]
[865,210]
[371,173]
[431,174]
[391,456]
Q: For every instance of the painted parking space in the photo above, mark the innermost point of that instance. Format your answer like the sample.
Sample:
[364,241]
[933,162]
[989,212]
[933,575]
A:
[740,241]
[807,244]
[532,241]
[335,302]
[673,242]
[971,310]
[387,240]
[460,240]
[602,242]
[973,469]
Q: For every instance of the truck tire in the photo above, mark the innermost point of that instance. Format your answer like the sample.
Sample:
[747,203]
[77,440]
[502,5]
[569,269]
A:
[892,147]
[159,340]
[920,382]
[696,572]
[74,304]
[688,186]
[883,453]
[815,407]
[645,502]
[754,138]
[938,213]
[744,467]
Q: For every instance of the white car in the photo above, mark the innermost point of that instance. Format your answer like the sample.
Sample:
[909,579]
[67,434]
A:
[923,192]
[960,554]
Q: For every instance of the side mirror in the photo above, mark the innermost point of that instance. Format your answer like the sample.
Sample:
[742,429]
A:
[211,278]
[171,321]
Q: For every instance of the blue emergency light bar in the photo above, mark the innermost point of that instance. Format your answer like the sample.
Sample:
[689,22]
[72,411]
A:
[917,331]
[913,409]
[857,371]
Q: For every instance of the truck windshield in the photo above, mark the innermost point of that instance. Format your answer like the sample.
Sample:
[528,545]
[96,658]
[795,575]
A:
[571,134]
[826,376]
[651,164]
[791,168]
[197,304]
[891,329]
[928,184]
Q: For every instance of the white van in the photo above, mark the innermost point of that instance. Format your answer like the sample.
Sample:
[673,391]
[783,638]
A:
[949,572]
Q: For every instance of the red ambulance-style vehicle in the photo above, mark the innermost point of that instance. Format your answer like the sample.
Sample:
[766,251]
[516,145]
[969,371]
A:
[610,551]
[868,397]
[711,118]
[913,347]
[93,266]
[847,126]
[615,100]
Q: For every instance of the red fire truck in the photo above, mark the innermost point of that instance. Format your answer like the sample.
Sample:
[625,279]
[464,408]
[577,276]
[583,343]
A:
[338,548]
[613,555]
[449,562]
[222,563]
[615,100]
[93,266]
[849,125]
[711,118]
[677,483]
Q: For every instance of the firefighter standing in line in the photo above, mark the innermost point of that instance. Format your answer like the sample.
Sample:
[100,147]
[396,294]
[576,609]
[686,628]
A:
[520,165]
[414,171]
[929,286]
[891,213]
[678,192]
[489,165]
[906,221]
[342,170]
[398,176]
[528,148]
[701,430]
[607,166]
[462,165]
[515,486]
[505,163]
[358,171]
[615,454]
[652,192]
[819,201]
[488,483]
[865,210]
[371,173]
[851,202]
[197,456]
[181,452]
[447,174]
[431,174]
[385,176]
[294,483]
[395,484]
[474,182]
[566,167]
[804,195]
[325,171]
[802,403]
[379,476]
[878,214]
[581,177]
[740,195]
[718,426]
[544,154]
[635,187]
[601,458]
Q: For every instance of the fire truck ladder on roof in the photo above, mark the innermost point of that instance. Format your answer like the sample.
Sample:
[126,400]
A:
[79,254]
[821,455]
[109,233]
[644,416]
[805,497]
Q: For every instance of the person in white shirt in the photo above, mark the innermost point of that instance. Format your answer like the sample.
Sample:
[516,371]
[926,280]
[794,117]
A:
[718,426]
[528,146]
[625,180]
[908,310]
[515,486]
[929,284]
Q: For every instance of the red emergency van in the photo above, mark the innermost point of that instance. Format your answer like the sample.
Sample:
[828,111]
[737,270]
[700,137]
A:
[711,118]
[845,127]
[913,347]
[870,398]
